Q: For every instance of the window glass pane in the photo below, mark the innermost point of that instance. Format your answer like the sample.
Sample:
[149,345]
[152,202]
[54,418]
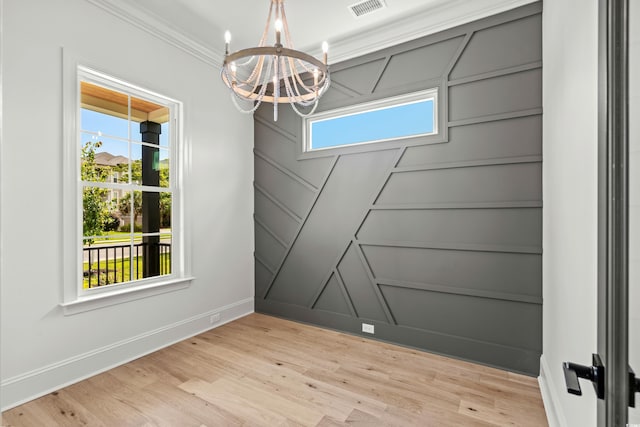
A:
[125,213]
[102,212]
[102,159]
[135,131]
[106,261]
[164,166]
[393,122]
[104,124]
[95,211]
[155,160]
[152,256]
[165,254]
[104,110]
[165,211]
[154,210]
[136,164]
[164,136]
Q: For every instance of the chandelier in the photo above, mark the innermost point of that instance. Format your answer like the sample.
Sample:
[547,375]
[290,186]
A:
[278,74]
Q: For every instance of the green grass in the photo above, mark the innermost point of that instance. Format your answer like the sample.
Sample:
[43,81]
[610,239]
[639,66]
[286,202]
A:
[118,265]
[121,237]
[116,237]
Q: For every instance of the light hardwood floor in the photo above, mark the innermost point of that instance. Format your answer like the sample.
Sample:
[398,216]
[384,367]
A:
[265,371]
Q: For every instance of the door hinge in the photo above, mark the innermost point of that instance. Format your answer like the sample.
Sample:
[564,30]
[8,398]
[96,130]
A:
[594,373]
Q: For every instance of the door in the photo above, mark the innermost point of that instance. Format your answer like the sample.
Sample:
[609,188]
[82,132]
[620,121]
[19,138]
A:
[618,221]
[634,198]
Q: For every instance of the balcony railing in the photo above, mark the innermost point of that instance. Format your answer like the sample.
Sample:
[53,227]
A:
[107,265]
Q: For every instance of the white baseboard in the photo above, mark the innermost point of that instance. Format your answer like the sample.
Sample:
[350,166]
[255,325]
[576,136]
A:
[31,385]
[552,407]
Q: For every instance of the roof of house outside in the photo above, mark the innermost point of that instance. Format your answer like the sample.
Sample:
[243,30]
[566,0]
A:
[108,159]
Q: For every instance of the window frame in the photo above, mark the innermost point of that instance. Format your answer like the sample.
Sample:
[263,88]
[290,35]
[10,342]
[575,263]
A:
[76,299]
[435,136]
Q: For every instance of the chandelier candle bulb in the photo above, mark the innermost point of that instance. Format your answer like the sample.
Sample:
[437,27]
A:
[227,40]
[298,78]
[278,26]
[234,68]
[325,51]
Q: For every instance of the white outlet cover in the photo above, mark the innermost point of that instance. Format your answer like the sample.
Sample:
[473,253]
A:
[369,329]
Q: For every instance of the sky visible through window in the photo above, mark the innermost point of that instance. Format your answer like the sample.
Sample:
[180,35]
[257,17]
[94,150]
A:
[108,125]
[389,123]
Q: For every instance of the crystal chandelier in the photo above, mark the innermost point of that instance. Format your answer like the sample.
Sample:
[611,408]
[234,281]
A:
[278,74]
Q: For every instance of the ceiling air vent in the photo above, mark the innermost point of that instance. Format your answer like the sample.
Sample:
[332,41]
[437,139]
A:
[365,7]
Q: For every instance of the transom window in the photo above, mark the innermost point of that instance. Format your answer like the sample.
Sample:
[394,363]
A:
[128,185]
[390,119]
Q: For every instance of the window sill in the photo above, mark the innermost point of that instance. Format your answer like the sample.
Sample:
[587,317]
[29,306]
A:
[119,296]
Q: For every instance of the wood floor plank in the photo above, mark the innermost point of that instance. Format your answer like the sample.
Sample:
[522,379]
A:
[189,403]
[265,371]
[253,412]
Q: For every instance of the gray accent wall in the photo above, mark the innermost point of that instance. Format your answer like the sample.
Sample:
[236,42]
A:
[436,244]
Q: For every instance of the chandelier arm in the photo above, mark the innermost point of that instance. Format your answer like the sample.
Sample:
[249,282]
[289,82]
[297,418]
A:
[263,39]
[265,33]
[265,80]
[301,82]
[296,96]
[235,97]
[278,10]
[290,42]
[285,27]
[239,108]
[298,92]
[294,92]
[254,78]
[301,114]
[258,100]
[293,73]
[297,75]
[255,70]
[242,64]
[304,66]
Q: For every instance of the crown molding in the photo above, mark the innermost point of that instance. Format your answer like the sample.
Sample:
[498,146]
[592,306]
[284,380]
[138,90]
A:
[160,28]
[447,14]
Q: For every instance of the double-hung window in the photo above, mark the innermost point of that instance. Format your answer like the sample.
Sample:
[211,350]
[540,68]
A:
[128,201]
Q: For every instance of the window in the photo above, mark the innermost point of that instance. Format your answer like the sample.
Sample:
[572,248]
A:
[402,117]
[127,188]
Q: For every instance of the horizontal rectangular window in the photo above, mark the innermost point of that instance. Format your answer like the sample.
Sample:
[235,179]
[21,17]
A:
[384,120]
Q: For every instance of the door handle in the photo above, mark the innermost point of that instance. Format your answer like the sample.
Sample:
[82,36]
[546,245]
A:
[634,387]
[594,373]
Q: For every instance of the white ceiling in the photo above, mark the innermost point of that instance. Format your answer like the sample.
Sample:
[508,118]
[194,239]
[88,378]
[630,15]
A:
[311,21]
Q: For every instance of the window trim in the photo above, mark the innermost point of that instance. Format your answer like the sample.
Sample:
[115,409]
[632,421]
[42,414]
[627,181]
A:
[75,298]
[435,136]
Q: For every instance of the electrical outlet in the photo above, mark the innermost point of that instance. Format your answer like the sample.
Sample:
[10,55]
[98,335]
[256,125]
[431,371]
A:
[214,318]
[369,329]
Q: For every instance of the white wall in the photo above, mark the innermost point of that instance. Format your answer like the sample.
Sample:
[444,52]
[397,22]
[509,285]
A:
[570,78]
[41,348]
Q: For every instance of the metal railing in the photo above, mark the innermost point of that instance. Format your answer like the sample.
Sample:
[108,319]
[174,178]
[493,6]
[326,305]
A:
[107,265]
